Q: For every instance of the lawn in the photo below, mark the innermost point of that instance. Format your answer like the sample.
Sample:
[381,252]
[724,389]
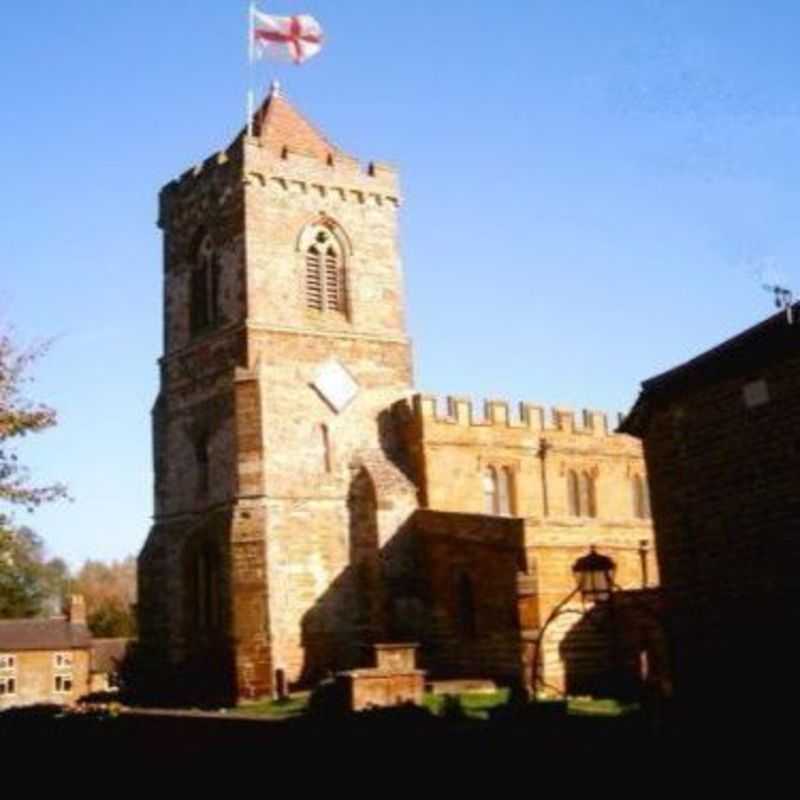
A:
[476,705]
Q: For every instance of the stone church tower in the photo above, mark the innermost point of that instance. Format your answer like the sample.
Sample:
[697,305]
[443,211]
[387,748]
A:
[307,505]
[278,472]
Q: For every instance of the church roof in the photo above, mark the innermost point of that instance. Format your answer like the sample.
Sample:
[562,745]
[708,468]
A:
[280,126]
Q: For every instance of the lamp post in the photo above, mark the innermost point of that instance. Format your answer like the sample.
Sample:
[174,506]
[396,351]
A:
[594,576]
[594,581]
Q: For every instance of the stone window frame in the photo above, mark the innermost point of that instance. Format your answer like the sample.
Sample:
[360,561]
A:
[581,489]
[8,674]
[319,279]
[63,678]
[499,488]
[641,496]
[205,271]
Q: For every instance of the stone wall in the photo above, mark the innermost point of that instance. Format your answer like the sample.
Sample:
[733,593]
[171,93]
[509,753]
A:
[35,678]
[725,503]
[468,564]
[451,450]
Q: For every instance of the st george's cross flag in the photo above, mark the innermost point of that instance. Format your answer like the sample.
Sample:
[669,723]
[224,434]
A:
[293,39]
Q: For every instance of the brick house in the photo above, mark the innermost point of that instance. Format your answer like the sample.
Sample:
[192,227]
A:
[308,502]
[45,660]
[721,438]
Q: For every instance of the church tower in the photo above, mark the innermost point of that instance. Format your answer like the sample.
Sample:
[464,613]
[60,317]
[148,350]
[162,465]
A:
[278,473]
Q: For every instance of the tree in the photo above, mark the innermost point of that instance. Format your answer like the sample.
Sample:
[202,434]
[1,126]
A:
[110,592]
[19,417]
[30,585]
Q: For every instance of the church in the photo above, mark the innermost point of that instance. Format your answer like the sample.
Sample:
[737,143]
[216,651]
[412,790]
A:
[309,503]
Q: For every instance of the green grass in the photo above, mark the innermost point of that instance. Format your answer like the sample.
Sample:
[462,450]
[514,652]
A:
[474,704]
[292,706]
[595,707]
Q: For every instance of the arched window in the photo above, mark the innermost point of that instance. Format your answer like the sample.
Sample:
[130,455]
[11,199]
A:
[505,492]
[325,287]
[587,498]
[204,279]
[573,494]
[641,497]
[581,500]
[490,490]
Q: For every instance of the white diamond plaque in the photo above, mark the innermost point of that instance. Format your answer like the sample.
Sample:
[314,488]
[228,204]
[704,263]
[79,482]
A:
[335,384]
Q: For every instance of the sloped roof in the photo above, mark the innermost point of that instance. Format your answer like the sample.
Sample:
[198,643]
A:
[107,654]
[280,125]
[43,634]
[749,351]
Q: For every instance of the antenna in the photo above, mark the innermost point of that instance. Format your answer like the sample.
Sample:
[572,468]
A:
[783,299]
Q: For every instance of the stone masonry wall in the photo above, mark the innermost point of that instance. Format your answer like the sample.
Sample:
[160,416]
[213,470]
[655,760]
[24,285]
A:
[726,506]
[451,449]
[35,678]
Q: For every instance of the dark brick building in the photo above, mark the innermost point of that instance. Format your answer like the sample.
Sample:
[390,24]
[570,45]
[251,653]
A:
[721,438]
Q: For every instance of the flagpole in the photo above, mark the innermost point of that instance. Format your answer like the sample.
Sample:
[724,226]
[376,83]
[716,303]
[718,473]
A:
[251,59]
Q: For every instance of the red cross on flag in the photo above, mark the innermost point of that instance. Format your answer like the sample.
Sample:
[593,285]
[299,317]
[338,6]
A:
[293,39]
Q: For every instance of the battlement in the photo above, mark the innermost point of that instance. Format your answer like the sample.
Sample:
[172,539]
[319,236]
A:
[458,411]
[338,177]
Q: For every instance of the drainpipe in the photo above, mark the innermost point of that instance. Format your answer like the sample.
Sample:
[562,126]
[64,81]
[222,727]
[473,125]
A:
[544,446]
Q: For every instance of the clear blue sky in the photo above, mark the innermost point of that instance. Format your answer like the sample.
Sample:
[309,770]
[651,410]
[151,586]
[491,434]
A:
[593,190]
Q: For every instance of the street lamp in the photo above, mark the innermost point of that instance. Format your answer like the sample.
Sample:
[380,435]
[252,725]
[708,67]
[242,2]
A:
[594,576]
[594,581]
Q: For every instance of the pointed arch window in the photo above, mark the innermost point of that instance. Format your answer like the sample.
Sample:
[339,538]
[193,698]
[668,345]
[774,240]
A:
[641,497]
[498,491]
[573,494]
[505,493]
[204,286]
[581,499]
[490,490]
[588,508]
[325,272]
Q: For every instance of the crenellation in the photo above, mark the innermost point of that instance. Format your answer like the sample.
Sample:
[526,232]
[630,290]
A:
[497,414]
[563,419]
[531,416]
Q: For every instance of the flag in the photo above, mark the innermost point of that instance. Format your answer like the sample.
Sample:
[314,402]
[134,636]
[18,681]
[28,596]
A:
[285,38]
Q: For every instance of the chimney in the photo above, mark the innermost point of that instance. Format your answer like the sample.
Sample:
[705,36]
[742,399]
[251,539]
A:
[76,609]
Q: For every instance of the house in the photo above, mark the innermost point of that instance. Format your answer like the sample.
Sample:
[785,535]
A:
[721,437]
[45,660]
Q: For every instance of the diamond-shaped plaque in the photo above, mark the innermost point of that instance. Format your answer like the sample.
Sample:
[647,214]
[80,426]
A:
[335,384]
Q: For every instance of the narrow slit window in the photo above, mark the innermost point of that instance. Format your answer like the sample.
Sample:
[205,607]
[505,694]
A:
[587,497]
[325,435]
[490,490]
[573,494]
[505,494]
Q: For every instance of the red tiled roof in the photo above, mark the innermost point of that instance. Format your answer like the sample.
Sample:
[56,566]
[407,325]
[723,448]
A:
[279,125]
